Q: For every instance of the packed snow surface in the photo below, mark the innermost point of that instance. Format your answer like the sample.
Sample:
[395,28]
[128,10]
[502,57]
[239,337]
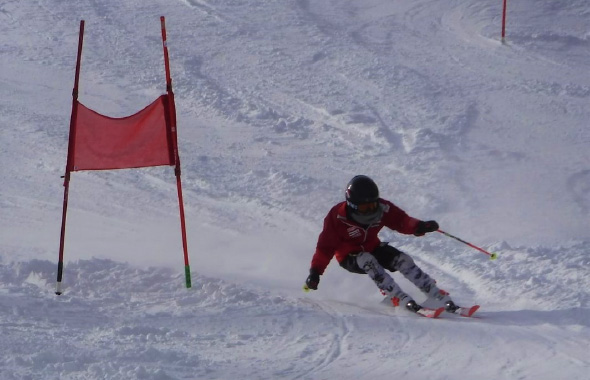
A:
[279,104]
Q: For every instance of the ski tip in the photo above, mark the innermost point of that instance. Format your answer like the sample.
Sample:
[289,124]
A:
[472,310]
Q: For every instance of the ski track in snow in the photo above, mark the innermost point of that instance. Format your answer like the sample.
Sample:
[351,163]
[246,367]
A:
[279,104]
[119,321]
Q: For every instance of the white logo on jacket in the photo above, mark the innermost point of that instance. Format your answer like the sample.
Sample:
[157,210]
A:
[353,232]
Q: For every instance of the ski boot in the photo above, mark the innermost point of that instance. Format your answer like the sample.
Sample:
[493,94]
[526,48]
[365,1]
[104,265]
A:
[450,307]
[413,306]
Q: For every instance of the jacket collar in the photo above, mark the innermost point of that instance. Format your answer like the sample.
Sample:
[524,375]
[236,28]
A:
[341,212]
[341,215]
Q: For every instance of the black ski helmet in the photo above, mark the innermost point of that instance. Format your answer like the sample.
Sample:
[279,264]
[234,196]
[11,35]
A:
[361,189]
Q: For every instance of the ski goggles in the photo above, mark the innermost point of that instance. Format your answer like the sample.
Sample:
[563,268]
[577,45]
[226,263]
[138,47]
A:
[365,208]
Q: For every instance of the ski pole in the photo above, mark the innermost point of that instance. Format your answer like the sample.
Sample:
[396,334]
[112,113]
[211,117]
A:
[492,255]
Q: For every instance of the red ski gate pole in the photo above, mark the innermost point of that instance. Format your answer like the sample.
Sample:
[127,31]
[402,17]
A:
[71,147]
[172,110]
[492,255]
[504,21]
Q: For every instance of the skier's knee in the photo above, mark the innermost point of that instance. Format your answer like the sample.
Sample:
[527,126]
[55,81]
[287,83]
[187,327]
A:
[371,266]
[367,262]
[404,262]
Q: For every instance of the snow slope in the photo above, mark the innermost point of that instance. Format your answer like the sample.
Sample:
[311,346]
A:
[279,105]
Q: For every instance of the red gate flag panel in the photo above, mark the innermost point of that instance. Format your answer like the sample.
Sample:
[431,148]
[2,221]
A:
[139,140]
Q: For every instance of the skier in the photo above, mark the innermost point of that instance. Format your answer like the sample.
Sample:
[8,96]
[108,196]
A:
[350,233]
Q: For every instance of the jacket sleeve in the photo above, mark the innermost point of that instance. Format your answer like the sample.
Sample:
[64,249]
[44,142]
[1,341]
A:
[327,244]
[398,220]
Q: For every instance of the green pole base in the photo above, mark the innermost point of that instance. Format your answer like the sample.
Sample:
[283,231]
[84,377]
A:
[187,275]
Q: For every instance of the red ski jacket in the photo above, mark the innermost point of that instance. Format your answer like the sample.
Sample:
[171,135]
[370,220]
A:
[342,236]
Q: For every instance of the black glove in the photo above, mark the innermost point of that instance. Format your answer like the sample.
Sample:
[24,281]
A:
[313,279]
[424,227]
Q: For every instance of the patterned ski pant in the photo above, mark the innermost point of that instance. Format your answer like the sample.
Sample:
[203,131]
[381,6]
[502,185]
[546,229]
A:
[390,258]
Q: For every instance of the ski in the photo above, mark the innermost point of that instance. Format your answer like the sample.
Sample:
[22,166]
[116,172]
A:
[430,313]
[462,311]
[417,309]
[466,311]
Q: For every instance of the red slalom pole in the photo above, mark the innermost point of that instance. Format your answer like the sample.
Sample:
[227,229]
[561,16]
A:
[172,117]
[492,255]
[504,21]
[71,147]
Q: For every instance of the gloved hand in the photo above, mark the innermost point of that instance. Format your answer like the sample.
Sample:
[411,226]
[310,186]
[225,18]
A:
[424,227]
[312,280]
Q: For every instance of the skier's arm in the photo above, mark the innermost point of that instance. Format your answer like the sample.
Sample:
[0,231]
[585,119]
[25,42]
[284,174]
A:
[398,220]
[326,246]
[325,249]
